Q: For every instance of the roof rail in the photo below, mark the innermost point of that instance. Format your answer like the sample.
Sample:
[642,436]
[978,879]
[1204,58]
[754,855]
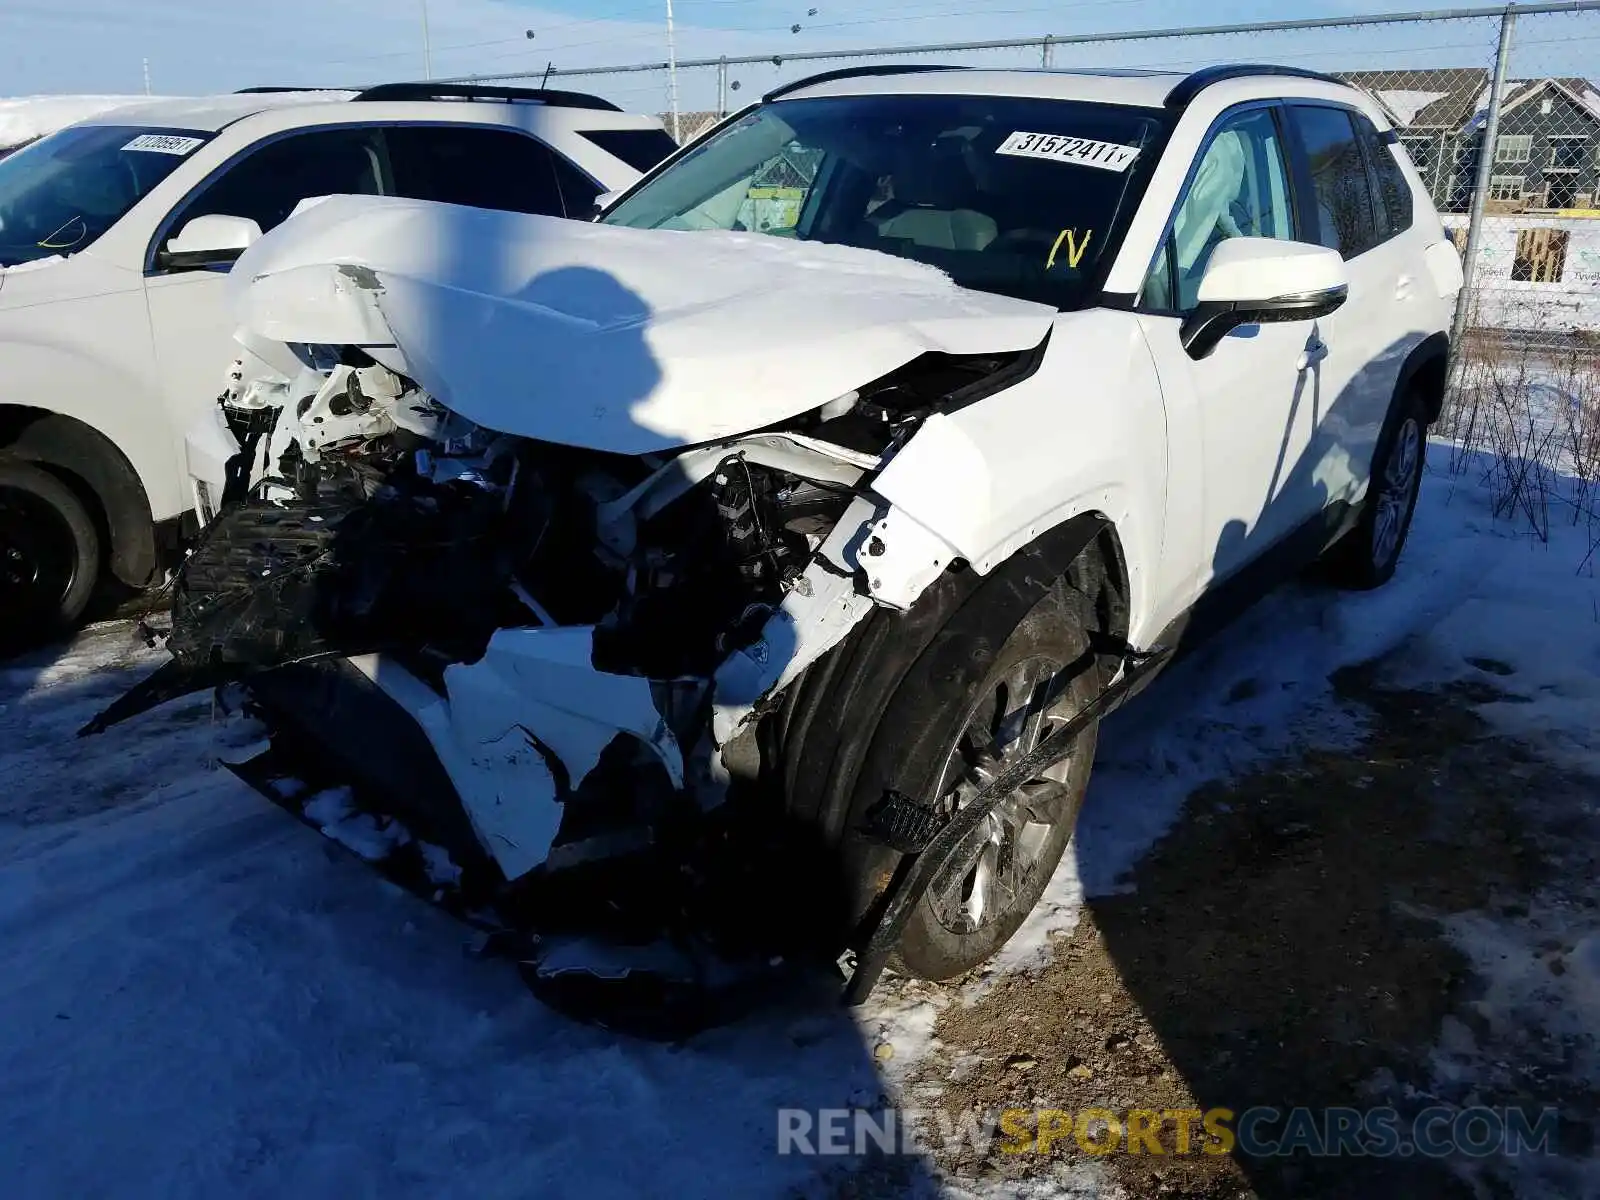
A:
[1180,96]
[476,91]
[860,72]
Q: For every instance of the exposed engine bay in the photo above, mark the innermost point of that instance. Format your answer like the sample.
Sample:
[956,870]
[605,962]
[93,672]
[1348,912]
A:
[586,639]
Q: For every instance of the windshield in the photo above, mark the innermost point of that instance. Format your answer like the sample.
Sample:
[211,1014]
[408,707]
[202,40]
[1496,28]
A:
[1019,196]
[63,191]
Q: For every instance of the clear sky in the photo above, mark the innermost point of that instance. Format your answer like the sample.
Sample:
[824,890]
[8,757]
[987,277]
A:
[219,45]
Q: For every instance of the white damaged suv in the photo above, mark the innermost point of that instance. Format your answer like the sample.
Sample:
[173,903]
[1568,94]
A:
[115,236]
[827,491]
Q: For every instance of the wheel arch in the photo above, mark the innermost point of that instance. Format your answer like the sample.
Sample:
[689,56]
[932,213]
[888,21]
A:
[862,673]
[1427,368]
[101,475]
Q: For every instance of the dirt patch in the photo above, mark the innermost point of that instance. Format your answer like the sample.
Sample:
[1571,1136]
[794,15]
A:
[1283,947]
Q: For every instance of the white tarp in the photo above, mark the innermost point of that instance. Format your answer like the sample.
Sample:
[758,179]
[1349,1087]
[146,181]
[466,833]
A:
[1569,303]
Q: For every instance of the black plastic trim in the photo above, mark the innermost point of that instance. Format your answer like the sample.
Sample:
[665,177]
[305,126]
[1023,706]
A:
[1210,322]
[474,91]
[861,73]
[1181,96]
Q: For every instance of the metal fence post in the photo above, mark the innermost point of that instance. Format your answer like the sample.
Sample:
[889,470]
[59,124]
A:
[1480,186]
[1046,56]
[722,87]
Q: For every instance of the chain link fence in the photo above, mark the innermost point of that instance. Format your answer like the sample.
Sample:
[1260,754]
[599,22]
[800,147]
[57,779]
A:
[1527,221]
[1498,108]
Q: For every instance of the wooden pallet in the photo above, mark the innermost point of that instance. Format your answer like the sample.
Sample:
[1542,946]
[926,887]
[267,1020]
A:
[1541,255]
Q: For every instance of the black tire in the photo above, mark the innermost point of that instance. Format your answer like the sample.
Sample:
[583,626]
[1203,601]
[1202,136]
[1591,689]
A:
[49,555]
[1366,557]
[889,708]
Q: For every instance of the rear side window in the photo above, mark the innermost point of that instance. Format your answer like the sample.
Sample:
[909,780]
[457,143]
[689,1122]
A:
[578,191]
[481,168]
[1347,219]
[1389,186]
[641,149]
[267,184]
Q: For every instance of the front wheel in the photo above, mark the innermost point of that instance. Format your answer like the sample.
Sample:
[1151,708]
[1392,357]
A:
[978,902]
[1366,557]
[933,704]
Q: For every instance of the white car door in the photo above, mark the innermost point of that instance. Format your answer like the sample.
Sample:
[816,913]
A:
[1367,338]
[1241,418]
[192,327]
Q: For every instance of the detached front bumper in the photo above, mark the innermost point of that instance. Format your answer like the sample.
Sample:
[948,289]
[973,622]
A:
[519,732]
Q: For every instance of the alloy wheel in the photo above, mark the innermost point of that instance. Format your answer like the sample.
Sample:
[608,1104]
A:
[991,870]
[1398,492]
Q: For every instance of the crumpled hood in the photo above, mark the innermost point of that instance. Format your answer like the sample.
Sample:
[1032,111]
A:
[604,337]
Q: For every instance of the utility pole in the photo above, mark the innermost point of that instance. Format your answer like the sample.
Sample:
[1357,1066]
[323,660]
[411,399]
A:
[147,77]
[672,72]
[1481,178]
[427,45]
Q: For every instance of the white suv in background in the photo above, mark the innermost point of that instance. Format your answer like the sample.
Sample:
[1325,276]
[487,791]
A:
[115,235]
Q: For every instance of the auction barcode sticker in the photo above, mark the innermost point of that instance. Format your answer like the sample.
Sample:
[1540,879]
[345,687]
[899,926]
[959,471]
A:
[1087,152]
[164,143]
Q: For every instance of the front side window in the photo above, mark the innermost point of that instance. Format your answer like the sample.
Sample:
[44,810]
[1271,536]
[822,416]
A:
[1239,189]
[59,194]
[1024,197]
[1346,215]
[269,181]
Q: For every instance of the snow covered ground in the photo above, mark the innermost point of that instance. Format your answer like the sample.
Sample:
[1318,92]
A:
[204,997]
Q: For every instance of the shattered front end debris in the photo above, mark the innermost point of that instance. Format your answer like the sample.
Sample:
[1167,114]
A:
[528,562]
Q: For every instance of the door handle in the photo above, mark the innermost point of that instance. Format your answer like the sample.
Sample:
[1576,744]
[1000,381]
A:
[1402,288]
[1314,353]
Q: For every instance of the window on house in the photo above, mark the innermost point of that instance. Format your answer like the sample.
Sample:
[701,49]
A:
[1541,255]
[1421,151]
[1513,148]
[1505,187]
[1567,153]
[1562,193]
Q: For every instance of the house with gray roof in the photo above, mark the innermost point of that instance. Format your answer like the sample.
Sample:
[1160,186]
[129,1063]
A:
[1547,154]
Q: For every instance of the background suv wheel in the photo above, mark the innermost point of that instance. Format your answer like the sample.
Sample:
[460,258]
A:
[49,555]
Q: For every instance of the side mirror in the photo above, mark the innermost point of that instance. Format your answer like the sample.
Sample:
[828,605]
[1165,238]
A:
[215,240]
[605,200]
[1251,281]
